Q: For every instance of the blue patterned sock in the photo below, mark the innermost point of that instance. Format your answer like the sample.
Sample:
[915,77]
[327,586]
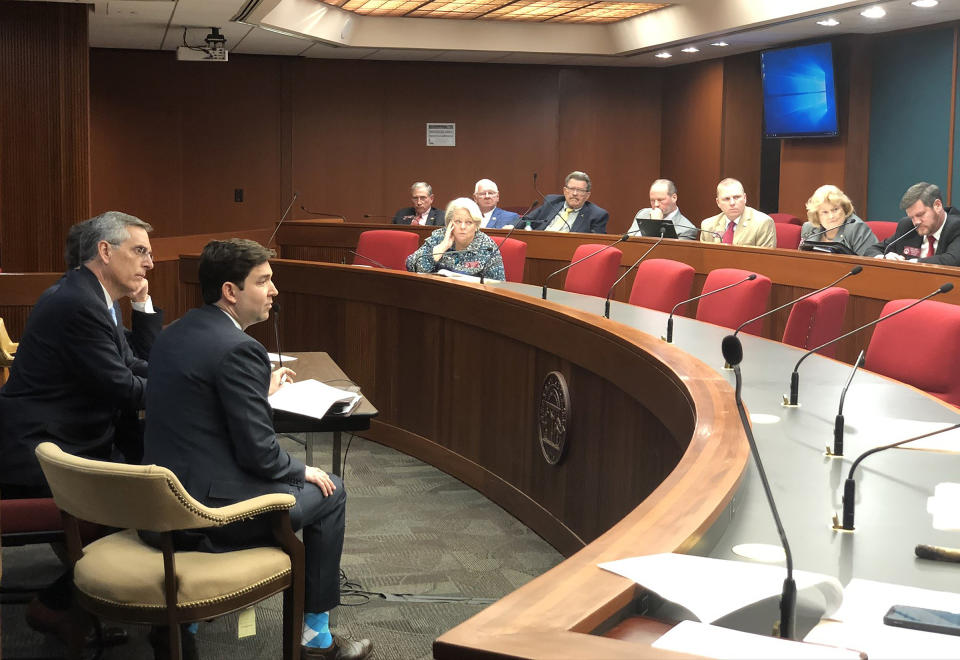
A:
[316,630]
[193,628]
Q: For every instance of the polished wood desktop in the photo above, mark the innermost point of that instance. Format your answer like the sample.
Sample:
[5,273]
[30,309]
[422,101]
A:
[793,272]
[657,460]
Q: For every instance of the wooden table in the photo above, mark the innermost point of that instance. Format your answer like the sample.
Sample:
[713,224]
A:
[320,366]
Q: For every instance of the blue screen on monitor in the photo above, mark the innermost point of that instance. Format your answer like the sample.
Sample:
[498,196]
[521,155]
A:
[799,97]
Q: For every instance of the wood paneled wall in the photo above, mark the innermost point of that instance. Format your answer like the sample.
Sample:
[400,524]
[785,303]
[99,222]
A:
[44,131]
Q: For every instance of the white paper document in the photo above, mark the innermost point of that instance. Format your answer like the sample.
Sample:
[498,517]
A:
[716,642]
[712,588]
[273,357]
[313,399]
[463,277]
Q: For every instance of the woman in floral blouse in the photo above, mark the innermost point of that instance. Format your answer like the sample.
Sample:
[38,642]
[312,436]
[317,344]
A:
[459,246]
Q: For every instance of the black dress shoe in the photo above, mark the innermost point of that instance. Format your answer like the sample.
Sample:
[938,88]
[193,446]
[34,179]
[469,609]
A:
[62,624]
[341,649]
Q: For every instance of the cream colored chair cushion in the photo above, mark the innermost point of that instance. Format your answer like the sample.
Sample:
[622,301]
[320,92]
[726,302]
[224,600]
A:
[122,569]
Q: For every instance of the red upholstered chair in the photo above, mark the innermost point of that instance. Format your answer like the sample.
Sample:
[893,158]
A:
[788,236]
[919,347]
[816,320]
[595,275]
[786,218]
[661,283]
[882,229]
[514,255]
[741,303]
[385,246]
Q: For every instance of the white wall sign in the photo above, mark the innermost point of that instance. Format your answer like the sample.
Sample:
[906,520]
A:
[441,135]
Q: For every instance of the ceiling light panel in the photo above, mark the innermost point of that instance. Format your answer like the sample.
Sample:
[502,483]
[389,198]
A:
[558,11]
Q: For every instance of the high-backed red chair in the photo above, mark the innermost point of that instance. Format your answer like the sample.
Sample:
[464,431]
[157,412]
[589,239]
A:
[737,304]
[816,320]
[788,236]
[514,254]
[882,229]
[387,247]
[595,275]
[919,347]
[661,283]
[786,218]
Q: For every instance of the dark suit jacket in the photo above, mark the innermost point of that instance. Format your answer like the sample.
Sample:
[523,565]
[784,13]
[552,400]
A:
[73,374]
[948,247]
[591,219]
[434,217]
[208,418]
[499,218]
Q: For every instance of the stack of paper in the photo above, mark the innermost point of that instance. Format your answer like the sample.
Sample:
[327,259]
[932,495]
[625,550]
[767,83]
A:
[314,399]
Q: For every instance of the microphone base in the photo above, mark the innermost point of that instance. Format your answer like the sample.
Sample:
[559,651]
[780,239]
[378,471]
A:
[786,402]
[837,527]
[828,452]
[727,367]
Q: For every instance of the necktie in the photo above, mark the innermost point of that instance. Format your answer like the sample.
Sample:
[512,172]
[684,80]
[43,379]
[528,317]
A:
[113,314]
[416,220]
[931,249]
[565,214]
[728,235]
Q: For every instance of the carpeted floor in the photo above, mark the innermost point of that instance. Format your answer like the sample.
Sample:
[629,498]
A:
[426,551]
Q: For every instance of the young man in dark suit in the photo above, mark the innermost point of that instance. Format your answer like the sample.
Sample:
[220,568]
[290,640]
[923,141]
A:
[571,211]
[930,233]
[209,421]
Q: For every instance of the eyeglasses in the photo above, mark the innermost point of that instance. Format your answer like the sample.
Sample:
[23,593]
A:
[487,194]
[577,191]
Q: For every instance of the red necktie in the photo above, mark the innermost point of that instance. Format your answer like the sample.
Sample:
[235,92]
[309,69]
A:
[728,235]
[416,220]
[932,249]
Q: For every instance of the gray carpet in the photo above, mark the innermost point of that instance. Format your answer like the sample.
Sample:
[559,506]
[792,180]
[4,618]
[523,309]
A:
[428,551]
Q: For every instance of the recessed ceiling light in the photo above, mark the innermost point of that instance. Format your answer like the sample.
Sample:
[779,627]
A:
[829,22]
[925,4]
[663,55]
[873,12]
[690,49]
[720,44]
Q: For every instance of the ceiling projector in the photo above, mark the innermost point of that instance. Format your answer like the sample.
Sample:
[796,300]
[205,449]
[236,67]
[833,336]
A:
[213,49]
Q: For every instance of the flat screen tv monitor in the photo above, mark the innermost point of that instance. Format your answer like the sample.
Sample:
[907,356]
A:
[799,95]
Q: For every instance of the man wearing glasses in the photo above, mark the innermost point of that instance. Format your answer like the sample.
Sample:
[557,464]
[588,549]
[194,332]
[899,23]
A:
[487,196]
[571,211]
[422,211]
[737,223]
[74,373]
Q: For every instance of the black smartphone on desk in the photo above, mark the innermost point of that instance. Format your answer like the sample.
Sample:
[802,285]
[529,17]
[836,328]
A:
[922,618]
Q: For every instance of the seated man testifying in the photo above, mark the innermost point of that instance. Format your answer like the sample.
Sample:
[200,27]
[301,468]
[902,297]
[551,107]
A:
[208,420]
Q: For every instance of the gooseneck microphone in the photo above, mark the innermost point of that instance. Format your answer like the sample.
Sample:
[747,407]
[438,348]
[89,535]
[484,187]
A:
[323,213]
[592,254]
[282,218]
[606,304]
[669,337]
[795,377]
[373,261]
[838,421]
[519,222]
[824,231]
[372,215]
[853,271]
[898,239]
[276,330]
[850,486]
[733,354]
[537,190]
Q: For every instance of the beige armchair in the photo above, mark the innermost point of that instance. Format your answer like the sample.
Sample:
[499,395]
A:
[121,578]
[8,349]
